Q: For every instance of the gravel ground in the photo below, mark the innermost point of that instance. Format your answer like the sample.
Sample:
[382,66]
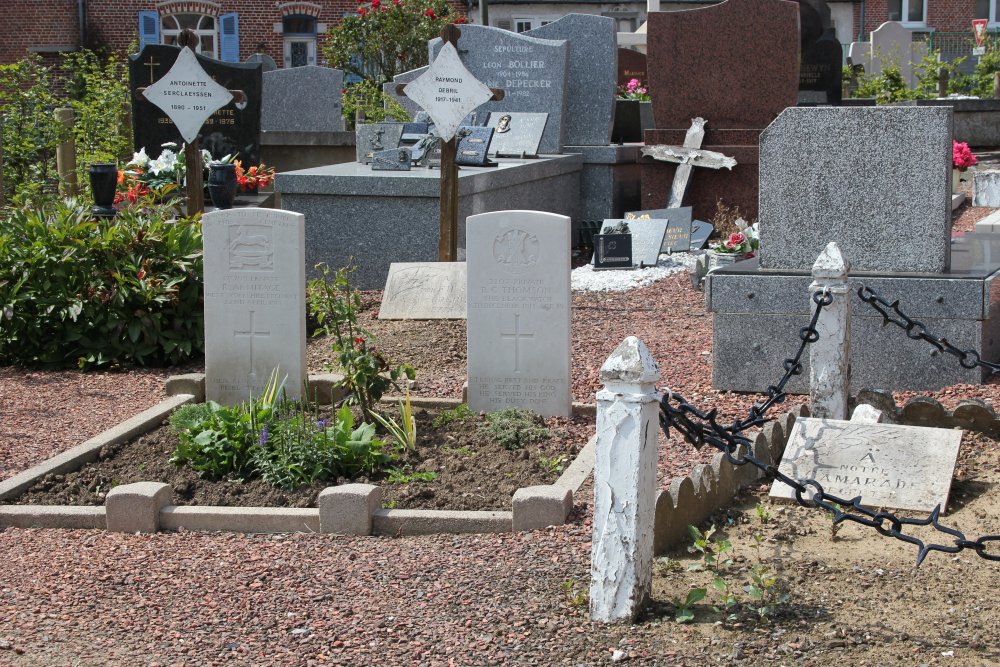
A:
[90,598]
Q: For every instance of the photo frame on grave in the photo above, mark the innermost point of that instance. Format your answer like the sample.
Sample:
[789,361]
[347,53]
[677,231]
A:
[613,251]
[394,159]
[374,137]
[473,143]
[516,134]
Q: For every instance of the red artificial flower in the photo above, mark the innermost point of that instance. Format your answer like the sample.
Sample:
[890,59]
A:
[430,13]
[737,238]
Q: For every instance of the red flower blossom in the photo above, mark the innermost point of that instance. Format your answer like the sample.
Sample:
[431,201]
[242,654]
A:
[376,3]
[141,274]
[430,13]
[460,19]
[362,11]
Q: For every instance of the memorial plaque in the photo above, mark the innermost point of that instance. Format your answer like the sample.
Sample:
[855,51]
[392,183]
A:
[901,467]
[678,235]
[532,72]
[613,251]
[255,309]
[519,311]
[472,145]
[413,132]
[700,231]
[233,129]
[448,91]
[373,137]
[187,94]
[424,291]
[394,159]
[647,238]
[516,134]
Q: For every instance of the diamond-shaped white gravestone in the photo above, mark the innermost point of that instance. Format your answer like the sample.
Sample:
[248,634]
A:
[448,92]
[188,95]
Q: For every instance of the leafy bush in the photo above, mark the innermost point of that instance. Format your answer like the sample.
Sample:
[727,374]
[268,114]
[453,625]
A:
[275,439]
[75,290]
[457,414]
[28,129]
[367,374]
[514,428]
[367,97]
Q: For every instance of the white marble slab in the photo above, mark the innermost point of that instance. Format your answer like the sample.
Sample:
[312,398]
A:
[900,467]
[424,291]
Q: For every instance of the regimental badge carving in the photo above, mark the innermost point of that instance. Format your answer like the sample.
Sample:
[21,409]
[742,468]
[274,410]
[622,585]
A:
[516,250]
[251,248]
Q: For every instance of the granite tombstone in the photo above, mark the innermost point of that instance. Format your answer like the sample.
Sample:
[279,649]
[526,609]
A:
[519,311]
[827,152]
[821,74]
[389,89]
[233,129]
[303,99]
[677,237]
[893,46]
[532,72]
[255,312]
[590,97]
[373,137]
[424,291]
[901,467]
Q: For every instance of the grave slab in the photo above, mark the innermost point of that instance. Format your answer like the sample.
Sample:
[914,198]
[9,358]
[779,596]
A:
[900,467]
[677,237]
[255,312]
[424,291]
[519,312]
[647,238]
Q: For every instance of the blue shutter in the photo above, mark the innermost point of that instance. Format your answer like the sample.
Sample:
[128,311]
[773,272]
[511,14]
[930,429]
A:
[149,29]
[229,38]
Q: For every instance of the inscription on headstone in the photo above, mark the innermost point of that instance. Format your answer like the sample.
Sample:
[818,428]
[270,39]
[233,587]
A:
[235,128]
[516,134]
[519,315]
[613,251]
[902,467]
[254,302]
[424,291]
[677,237]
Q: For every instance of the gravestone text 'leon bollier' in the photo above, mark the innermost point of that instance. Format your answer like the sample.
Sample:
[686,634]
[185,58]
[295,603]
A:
[532,73]
[235,128]
[902,467]
[255,313]
[519,311]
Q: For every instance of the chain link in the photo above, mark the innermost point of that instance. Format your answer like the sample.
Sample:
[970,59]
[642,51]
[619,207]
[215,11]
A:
[700,428]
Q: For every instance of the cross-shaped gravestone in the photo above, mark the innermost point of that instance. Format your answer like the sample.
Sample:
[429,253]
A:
[687,156]
[448,92]
[516,337]
[189,96]
[251,333]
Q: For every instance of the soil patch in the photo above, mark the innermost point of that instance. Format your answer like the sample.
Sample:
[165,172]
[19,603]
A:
[471,470]
[855,597]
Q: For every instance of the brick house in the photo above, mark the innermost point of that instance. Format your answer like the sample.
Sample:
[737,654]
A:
[230,30]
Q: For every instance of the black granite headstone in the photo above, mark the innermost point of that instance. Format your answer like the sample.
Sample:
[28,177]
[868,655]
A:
[612,251]
[235,128]
[821,74]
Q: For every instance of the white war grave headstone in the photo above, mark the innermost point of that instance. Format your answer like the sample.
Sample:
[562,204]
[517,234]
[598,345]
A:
[519,311]
[189,96]
[902,467]
[448,92]
[255,308]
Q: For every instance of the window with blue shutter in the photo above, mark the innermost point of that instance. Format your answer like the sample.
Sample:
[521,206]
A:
[229,38]
[149,28]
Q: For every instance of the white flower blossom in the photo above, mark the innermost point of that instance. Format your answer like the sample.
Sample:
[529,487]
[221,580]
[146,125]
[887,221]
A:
[140,159]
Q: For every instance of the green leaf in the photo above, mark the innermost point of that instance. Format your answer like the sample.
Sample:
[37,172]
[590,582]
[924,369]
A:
[684,615]
[695,595]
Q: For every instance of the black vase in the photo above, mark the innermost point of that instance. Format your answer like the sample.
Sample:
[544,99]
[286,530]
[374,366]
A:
[222,185]
[103,182]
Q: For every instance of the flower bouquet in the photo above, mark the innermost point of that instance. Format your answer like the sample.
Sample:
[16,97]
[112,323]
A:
[961,156]
[743,242]
[254,177]
[141,175]
[633,90]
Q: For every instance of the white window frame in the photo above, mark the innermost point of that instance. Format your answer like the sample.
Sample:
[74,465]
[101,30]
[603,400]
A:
[994,22]
[307,38]
[904,7]
[532,21]
[201,31]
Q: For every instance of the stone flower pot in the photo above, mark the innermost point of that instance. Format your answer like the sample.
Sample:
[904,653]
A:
[222,185]
[103,182]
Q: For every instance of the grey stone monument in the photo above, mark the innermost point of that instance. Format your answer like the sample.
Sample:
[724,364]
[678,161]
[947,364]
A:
[532,72]
[302,99]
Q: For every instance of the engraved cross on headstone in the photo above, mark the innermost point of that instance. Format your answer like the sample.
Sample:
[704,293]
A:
[251,333]
[448,91]
[516,336]
[687,156]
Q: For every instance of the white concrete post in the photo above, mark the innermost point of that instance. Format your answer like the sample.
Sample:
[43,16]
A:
[830,356]
[621,567]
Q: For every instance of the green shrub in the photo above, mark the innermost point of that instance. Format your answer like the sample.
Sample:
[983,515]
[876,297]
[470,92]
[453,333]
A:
[75,290]
[367,97]
[514,428]
[457,414]
[275,439]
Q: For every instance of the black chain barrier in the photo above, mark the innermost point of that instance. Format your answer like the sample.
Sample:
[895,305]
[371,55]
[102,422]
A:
[700,427]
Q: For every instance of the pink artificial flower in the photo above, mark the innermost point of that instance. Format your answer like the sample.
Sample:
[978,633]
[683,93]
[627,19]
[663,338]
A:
[737,238]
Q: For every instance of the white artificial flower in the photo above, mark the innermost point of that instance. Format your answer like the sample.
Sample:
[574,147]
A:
[163,163]
[140,159]
[206,157]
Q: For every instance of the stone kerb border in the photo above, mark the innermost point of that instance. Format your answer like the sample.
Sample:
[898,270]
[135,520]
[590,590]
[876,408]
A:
[690,499]
[354,509]
[971,414]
